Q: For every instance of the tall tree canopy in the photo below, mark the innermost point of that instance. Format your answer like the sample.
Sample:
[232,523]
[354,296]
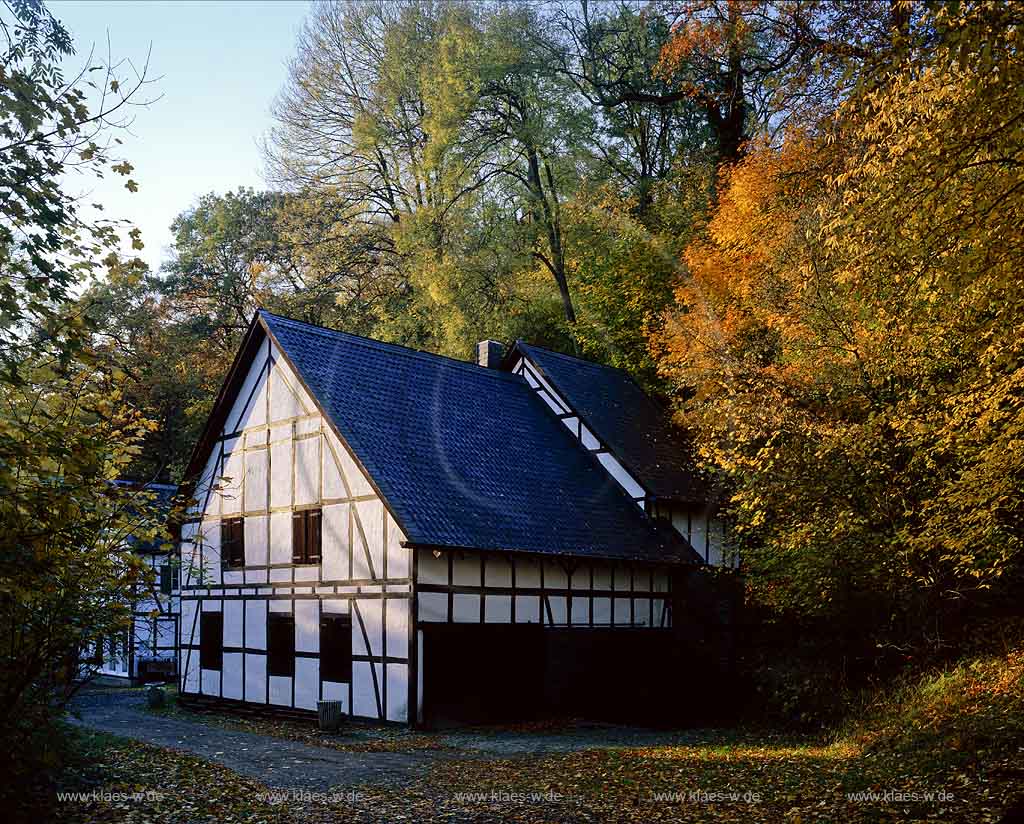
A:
[797,220]
[851,323]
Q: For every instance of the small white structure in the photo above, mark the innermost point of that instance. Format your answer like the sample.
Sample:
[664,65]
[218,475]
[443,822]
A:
[414,536]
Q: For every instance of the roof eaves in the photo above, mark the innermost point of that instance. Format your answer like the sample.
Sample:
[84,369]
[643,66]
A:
[669,559]
[233,380]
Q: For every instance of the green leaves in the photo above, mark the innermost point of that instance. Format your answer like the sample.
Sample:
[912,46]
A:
[65,432]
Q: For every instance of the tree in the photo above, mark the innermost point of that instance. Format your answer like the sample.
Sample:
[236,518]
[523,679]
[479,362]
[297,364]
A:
[623,262]
[47,125]
[644,130]
[406,149]
[851,326]
[65,435]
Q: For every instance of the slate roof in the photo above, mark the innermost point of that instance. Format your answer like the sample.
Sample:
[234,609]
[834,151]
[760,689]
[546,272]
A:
[466,456]
[635,429]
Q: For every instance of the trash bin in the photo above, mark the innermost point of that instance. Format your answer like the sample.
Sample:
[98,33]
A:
[155,696]
[329,714]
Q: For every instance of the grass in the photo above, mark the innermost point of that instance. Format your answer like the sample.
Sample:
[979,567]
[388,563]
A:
[956,734]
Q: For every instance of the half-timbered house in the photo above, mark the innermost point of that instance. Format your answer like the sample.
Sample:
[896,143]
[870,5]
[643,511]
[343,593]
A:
[421,538]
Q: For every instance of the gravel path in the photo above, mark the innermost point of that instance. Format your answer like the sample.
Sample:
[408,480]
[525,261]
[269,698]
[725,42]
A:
[276,762]
[282,763]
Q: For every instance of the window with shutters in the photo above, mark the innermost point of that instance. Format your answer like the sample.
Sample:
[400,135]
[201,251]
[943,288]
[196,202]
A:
[335,647]
[166,579]
[280,644]
[306,536]
[232,542]
[211,640]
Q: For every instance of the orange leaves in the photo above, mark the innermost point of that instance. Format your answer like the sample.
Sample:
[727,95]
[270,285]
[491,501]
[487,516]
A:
[705,31]
[736,297]
[689,39]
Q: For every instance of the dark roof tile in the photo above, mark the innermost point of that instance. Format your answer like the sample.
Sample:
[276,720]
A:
[627,420]
[467,456]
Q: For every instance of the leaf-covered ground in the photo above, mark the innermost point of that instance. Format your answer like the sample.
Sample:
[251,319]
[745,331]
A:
[730,781]
[950,749]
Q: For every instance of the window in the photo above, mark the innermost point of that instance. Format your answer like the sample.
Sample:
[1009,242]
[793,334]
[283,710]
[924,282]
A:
[335,647]
[280,644]
[306,536]
[211,640]
[232,542]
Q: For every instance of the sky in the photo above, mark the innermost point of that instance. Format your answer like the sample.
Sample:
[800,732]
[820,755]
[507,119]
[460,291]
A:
[217,66]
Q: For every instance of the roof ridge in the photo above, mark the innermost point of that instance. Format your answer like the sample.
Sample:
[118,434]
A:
[394,348]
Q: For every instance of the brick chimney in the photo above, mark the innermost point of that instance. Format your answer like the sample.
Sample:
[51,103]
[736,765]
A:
[489,354]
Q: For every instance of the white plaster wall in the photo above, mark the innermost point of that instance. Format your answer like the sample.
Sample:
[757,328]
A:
[281,690]
[307,683]
[706,535]
[255,624]
[397,692]
[307,626]
[233,622]
[232,670]
[255,678]
[622,594]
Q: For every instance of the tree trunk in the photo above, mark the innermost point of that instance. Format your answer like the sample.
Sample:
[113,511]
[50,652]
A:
[550,216]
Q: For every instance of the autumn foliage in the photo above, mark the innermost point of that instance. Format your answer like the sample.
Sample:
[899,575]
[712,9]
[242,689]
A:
[851,322]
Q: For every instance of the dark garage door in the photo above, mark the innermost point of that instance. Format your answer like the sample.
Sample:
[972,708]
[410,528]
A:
[497,672]
[612,674]
[481,672]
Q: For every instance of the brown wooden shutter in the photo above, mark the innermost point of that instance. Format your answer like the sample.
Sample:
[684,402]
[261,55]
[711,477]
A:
[298,537]
[280,644]
[239,542]
[232,541]
[211,640]
[336,647]
[313,540]
[226,538]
